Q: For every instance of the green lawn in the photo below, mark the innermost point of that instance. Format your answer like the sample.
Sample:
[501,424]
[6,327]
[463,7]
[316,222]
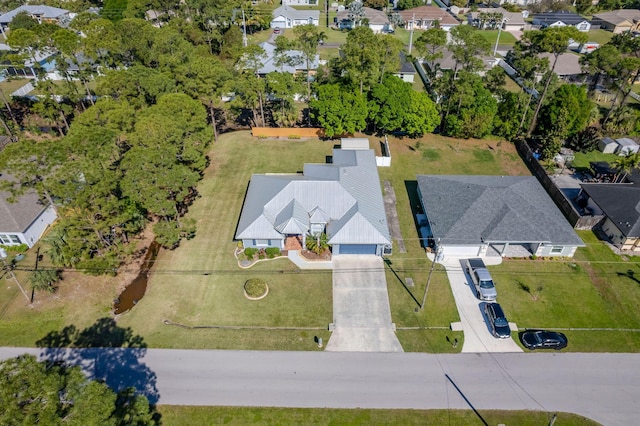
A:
[175,415]
[10,86]
[582,160]
[506,38]
[600,36]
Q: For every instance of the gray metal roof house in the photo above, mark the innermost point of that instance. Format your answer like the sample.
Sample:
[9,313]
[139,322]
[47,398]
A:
[41,13]
[342,198]
[510,216]
[295,61]
[24,221]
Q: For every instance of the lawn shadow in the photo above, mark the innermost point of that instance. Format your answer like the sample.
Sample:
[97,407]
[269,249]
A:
[388,262]
[629,274]
[105,352]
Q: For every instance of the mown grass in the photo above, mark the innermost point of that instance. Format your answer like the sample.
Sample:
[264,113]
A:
[592,291]
[176,415]
[582,160]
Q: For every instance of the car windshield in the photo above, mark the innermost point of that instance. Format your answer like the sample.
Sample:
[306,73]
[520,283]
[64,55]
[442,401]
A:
[486,284]
[501,322]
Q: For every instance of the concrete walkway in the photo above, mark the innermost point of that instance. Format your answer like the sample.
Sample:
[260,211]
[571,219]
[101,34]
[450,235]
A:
[361,314]
[477,334]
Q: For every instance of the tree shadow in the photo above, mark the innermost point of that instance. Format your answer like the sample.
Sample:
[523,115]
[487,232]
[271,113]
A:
[105,352]
[629,274]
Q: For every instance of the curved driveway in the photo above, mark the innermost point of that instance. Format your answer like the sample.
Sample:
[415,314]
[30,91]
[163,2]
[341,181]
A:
[603,387]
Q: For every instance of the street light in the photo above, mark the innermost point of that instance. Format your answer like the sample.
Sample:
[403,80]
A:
[502,22]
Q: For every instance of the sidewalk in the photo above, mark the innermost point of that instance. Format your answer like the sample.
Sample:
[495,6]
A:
[303,263]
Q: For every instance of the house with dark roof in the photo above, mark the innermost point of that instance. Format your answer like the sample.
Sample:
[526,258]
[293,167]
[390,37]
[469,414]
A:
[448,63]
[407,71]
[561,18]
[375,19]
[342,198]
[288,17]
[620,204]
[509,216]
[568,66]
[618,21]
[24,221]
[425,17]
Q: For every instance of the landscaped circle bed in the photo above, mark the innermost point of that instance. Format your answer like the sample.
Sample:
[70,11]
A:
[255,289]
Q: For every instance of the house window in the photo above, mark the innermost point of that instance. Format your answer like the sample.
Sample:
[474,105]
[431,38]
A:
[582,27]
[261,243]
[4,239]
[10,239]
[556,250]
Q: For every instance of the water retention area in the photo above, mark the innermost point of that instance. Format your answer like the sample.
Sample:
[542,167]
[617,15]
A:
[135,291]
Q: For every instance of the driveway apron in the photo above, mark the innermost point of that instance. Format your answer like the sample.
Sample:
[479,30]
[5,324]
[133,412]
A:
[361,314]
[477,335]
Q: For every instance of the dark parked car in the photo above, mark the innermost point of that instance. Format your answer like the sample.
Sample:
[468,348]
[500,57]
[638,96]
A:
[497,320]
[542,339]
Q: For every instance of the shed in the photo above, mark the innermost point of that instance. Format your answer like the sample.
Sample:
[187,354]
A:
[354,143]
[627,146]
[608,146]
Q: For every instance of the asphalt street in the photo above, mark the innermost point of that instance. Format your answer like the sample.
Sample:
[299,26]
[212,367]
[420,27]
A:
[603,387]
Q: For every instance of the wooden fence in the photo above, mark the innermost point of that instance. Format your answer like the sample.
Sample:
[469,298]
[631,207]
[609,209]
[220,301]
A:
[287,132]
[566,206]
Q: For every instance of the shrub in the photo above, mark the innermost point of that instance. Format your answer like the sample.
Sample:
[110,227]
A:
[294,136]
[21,248]
[255,287]
[272,252]
[250,252]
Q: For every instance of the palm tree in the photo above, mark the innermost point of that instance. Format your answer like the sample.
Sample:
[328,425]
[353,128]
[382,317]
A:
[44,279]
[317,243]
[626,164]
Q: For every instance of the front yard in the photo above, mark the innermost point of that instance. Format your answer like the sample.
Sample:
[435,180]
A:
[200,284]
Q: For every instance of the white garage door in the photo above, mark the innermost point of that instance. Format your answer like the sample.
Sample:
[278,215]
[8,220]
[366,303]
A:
[460,251]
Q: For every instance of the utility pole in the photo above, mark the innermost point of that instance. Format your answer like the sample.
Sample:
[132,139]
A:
[9,269]
[244,30]
[495,49]
[413,24]
[433,264]
[326,11]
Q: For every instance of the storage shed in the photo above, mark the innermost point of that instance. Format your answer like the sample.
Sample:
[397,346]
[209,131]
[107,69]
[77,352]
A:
[608,146]
[627,146]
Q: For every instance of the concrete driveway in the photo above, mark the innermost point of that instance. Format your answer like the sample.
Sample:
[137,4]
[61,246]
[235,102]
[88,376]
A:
[477,334]
[361,314]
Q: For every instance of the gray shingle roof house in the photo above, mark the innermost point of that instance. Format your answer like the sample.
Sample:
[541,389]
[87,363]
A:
[24,221]
[288,17]
[342,198]
[509,216]
[620,204]
[618,21]
[377,20]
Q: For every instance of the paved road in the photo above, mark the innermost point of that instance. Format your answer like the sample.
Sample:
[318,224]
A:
[603,387]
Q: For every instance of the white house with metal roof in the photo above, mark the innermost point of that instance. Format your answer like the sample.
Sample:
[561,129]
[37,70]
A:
[510,216]
[342,198]
[40,13]
[24,221]
[288,17]
[294,63]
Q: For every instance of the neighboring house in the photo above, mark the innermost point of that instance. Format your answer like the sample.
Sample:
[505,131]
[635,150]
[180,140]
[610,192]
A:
[620,204]
[618,21]
[512,21]
[448,63]
[299,2]
[342,198]
[425,17]
[568,66]
[295,62]
[288,17]
[407,70]
[377,20]
[521,3]
[510,216]
[40,13]
[24,221]
[561,18]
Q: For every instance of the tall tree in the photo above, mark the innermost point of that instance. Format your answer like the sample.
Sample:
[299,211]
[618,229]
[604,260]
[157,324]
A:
[430,45]
[361,58]
[339,110]
[307,39]
[553,40]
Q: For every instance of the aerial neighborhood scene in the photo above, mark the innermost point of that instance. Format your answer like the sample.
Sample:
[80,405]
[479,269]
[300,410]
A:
[320,212]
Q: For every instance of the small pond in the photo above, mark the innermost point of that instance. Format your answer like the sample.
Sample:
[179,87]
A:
[135,291]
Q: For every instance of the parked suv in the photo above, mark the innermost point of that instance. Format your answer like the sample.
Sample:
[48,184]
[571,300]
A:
[497,321]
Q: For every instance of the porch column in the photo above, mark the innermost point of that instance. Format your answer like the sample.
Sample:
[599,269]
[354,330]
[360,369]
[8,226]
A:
[504,249]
